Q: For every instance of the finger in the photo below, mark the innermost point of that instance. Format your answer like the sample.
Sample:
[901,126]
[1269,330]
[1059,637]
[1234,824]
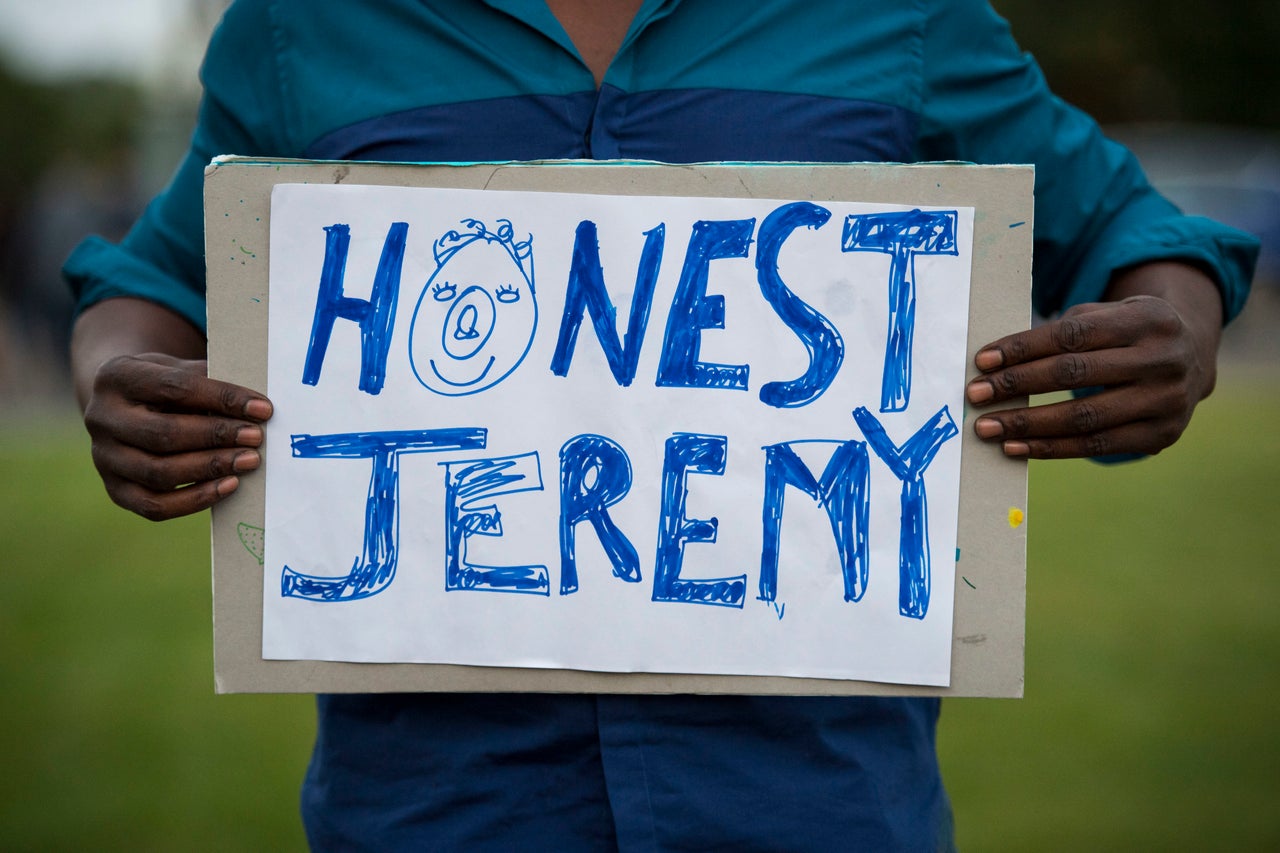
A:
[182,386]
[1078,417]
[1088,307]
[1145,437]
[1069,371]
[160,506]
[164,434]
[166,473]
[1085,328]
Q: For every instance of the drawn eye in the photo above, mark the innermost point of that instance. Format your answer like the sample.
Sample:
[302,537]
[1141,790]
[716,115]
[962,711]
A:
[444,292]
[507,293]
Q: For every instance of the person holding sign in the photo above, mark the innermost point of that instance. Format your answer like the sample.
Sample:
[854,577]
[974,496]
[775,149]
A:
[1136,295]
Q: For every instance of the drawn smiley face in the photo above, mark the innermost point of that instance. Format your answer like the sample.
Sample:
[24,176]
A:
[475,319]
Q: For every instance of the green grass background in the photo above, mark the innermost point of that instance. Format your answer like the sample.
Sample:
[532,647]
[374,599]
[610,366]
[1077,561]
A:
[1153,664]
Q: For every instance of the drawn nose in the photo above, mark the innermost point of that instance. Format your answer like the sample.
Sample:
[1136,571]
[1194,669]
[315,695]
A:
[469,323]
[466,320]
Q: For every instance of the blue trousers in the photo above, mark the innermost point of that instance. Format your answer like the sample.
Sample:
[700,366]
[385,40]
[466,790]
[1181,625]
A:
[533,772]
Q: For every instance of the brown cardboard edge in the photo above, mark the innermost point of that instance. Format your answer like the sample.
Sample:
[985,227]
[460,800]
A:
[989,622]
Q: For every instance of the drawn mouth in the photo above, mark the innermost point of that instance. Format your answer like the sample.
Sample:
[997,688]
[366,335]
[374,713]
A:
[453,384]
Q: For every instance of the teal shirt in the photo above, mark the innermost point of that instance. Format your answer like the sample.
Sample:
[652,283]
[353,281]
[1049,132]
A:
[711,79]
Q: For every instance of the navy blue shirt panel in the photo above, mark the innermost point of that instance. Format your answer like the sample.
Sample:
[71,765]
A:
[525,127]
[676,126]
[701,125]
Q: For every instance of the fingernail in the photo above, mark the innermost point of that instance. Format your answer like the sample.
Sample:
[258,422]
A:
[988,428]
[988,359]
[259,410]
[227,485]
[980,392]
[250,436]
[1016,448]
[247,461]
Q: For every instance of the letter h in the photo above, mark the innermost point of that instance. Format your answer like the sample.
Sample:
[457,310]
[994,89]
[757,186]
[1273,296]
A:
[374,315]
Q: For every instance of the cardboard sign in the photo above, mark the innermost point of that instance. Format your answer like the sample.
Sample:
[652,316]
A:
[558,427]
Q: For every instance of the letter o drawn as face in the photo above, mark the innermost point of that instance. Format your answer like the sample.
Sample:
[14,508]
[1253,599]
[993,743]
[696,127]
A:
[475,319]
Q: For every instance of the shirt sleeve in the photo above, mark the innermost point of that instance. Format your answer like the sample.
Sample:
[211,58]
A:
[985,101]
[161,259]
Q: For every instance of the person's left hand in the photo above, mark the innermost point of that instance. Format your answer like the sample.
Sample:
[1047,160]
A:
[1152,352]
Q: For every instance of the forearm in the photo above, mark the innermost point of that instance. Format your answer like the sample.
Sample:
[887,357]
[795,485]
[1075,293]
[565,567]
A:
[125,326]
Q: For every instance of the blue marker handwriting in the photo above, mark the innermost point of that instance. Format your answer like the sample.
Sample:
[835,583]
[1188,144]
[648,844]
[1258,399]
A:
[595,474]
[477,315]
[473,327]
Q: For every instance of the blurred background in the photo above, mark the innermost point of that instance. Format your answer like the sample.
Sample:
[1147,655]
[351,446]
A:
[1153,654]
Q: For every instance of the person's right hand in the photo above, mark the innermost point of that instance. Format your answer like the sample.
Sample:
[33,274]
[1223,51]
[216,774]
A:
[167,440]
